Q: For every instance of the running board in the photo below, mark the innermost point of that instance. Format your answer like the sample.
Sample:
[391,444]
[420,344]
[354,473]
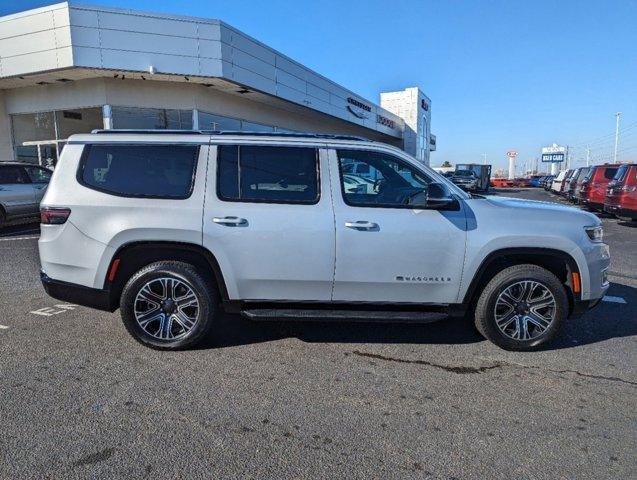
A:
[345,315]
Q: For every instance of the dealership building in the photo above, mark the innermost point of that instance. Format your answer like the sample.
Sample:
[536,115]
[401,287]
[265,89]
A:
[68,69]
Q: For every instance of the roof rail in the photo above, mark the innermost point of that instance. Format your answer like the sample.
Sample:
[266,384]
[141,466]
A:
[147,131]
[231,132]
[287,135]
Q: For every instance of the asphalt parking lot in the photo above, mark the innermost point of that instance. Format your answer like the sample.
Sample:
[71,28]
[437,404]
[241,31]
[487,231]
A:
[80,398]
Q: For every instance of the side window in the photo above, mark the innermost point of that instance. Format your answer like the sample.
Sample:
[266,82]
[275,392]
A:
[38,175]
[146,171]
[12,174]
[372,179]
[609,173]
[267,174]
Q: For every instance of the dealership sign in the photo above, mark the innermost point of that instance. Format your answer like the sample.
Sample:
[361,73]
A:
[512,154]
[552,157]
[357,108]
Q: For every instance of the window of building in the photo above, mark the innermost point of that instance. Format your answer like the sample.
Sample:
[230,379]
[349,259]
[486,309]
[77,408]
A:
[267,174]
[151,118]
[255,127]
[154,171]
[210,121]
[39,137]
[82,120]
[373,179]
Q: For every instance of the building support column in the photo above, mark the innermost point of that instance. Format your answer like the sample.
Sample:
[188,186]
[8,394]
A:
[7,152]
[195,119]
[107,115]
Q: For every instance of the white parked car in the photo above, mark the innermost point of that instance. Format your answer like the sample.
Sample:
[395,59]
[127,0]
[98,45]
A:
[556,186]
[174,227]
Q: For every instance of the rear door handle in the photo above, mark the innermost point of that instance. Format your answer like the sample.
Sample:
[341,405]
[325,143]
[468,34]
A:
[362,225]
[230,221]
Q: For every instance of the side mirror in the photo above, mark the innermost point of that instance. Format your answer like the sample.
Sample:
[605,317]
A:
[435,197]
[439,198]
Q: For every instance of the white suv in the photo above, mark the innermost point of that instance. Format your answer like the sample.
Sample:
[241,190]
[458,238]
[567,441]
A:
[171,227]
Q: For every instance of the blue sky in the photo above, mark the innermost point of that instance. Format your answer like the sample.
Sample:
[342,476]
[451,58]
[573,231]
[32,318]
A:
[501,74]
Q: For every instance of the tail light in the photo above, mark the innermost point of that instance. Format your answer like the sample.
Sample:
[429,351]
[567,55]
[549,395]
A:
[53,215]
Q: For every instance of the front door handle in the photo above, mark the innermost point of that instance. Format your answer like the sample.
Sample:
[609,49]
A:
[362,225]
[230,221]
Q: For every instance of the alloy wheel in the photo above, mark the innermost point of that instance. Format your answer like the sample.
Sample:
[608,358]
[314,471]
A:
[525,310]
[166,308]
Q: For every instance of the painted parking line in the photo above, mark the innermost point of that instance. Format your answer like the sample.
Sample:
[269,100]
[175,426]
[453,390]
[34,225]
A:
[3,327]
[11,239]
[54,310]
[611,299]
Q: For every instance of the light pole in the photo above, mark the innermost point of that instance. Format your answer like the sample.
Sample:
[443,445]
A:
[484,157]
[588,156]
[617,115]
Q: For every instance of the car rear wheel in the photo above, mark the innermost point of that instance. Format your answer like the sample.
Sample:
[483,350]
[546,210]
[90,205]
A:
[521,308]
[169,306]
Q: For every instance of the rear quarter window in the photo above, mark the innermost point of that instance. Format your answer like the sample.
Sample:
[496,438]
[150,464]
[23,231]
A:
[609,173]
[144,171]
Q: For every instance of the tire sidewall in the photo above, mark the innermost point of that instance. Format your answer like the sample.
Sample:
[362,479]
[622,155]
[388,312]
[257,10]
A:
[189,277]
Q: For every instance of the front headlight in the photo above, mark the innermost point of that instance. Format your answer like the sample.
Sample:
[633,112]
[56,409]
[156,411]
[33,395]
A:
[596,234]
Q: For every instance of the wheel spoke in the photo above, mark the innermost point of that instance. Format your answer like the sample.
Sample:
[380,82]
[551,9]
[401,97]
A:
[183,320]
[149,317]
[188,300]
[165,327]
[505,321]
[507,299]
[147,294]
[542,323]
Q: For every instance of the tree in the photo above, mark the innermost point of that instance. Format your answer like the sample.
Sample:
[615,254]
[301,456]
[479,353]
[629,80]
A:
[446,164]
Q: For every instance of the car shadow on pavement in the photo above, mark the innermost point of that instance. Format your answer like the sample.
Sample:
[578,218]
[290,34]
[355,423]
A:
[608,320]
[234,330]
[626,223]
[20,229]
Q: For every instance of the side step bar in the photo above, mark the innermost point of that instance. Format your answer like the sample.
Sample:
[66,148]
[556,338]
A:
[270,314]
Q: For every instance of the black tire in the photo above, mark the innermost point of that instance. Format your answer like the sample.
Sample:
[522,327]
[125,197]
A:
[3,217]
[204,290]
[485,319]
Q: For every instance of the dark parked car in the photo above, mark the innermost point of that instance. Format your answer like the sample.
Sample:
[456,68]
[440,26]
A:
[547,182]
[482,173]
[535,180]
[465,179]
[576,183]
[22,187]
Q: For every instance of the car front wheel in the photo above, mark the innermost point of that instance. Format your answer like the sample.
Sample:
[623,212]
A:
[169,306]
[521,308]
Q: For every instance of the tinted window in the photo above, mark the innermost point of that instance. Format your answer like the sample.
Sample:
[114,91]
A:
[609,173]
[38,175]
[387,181]
[12,174]
[267,174]
[156,171]
[621,171]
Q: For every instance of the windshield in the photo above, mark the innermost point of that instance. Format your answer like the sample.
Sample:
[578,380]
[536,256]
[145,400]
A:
[464,173]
